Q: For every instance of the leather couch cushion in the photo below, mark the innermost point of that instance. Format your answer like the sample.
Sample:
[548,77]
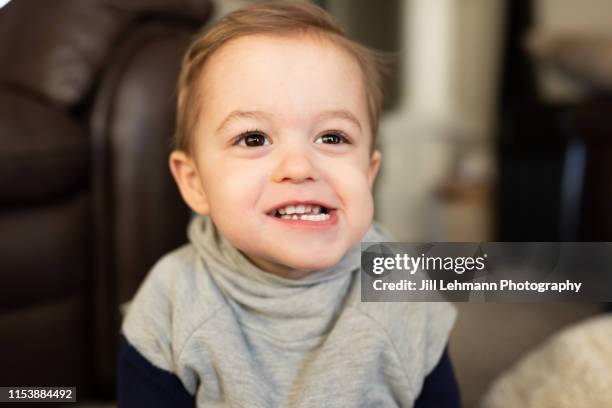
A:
[45,252]
[46,343]
[56,48]
[43,153]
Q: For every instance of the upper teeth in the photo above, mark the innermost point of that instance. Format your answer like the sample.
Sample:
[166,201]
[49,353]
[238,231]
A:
[299,209]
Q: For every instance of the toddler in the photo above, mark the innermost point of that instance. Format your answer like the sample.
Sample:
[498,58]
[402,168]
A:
[275,153]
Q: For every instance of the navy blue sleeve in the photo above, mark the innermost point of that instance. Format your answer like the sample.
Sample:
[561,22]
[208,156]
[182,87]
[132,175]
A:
[141,384]
[440,389]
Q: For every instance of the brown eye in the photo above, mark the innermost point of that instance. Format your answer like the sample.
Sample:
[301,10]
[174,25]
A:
[331,138]
[253,139]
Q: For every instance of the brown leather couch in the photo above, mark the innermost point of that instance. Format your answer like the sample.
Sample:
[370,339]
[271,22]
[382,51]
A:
[87,203]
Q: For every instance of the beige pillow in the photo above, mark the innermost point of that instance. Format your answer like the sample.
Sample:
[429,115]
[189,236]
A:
[572,369]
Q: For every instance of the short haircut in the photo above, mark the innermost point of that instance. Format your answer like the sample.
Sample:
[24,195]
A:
[273,18]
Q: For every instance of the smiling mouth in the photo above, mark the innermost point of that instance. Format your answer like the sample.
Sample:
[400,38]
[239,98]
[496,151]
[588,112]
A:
[303,212]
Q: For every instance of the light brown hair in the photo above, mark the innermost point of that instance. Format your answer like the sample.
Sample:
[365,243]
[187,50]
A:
[275,18]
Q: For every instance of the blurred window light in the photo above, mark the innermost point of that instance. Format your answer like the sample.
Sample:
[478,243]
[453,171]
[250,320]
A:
[4,3]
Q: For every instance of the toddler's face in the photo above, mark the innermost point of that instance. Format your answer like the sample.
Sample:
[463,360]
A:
[282,148]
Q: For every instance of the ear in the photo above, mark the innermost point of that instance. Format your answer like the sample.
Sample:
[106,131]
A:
[374,166]
[187,177]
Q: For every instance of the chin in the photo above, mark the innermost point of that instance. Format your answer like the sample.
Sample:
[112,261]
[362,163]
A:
[314,261]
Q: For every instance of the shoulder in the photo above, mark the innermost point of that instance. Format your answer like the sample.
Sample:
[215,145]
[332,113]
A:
[170,304]
[418,331]
[140,383]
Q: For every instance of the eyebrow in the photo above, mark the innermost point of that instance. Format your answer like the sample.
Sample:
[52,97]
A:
[342,114]
[241,114]
[329,114]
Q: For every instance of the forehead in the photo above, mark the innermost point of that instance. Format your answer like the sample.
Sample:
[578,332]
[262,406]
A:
[292,77]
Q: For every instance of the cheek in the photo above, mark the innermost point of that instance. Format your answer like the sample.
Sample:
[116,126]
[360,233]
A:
[363,204]
[234,188]
[351,183]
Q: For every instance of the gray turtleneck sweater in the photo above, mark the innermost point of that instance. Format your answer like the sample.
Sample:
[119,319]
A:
[234,335]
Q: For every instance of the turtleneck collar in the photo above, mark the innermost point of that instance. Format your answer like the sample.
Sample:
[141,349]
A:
[287,309]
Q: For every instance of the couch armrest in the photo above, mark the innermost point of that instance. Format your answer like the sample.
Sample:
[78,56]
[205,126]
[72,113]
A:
[138,212]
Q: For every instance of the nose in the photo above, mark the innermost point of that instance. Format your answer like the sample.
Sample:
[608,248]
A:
[295,164]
